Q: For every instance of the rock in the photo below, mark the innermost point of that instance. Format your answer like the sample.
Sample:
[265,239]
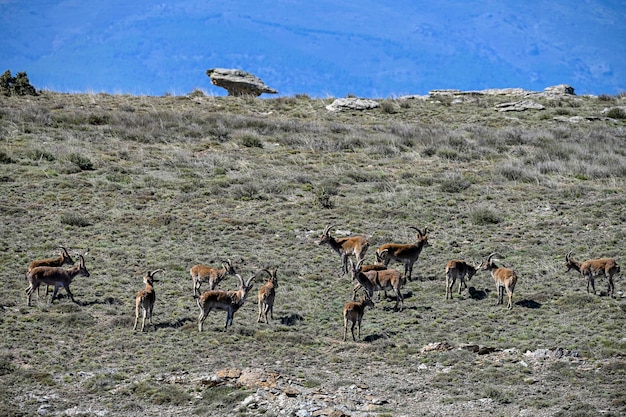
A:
[521,105]
[238,82]
[437,346]
[612,109]
[352,104]
[561,89]
[506,92]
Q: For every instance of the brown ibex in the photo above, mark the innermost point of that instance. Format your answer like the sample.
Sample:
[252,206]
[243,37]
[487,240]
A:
[267,294]
[504,278]
[229,301]
[594,268]
[56,276]
[353,311]
[345,246]
[202,273]
[405,253]
[371,281]
[63,259]
[145,299]
[457,269]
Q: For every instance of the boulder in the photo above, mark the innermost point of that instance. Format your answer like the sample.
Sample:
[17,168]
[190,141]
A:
[352,104]
[238,82]
[559,90]
[521,105]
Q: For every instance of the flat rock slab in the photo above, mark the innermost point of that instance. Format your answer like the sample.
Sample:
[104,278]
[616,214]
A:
[238,82]
[352,104]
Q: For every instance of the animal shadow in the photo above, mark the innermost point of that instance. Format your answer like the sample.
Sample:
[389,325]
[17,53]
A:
[528,304]
[374,337]
[291,319]
[478,294]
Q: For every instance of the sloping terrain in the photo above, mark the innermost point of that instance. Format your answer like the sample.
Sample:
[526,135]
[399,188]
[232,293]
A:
[168,182]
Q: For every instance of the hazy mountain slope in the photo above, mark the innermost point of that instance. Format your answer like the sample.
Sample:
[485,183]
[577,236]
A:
[365,48]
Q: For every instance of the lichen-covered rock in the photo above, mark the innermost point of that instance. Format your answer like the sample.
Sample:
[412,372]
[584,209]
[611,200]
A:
[238,82]
[352,104]
[521,105]
[561,89]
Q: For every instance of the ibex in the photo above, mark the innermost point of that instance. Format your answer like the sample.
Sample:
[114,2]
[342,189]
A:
[504,278]
[456,269]
[145,299]
[405,253]
[267,294]
[371,281]
[229,301]
[55,275]
[353,311]
[593,268]
[202,273]
[63,259]
[345,246]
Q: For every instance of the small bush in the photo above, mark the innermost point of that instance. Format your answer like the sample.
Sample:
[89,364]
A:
[82,162]
[388,107]
[16,86]
[251,141]
[38,155]
[616,113]
[606,97]
[5,159]
[485,216]
[323,197]
[455,184]
[98,119]
[74,219]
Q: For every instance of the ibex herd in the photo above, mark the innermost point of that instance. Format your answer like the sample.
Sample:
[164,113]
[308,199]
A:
[369,278]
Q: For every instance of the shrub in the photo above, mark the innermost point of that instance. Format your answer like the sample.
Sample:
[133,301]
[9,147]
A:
[323,197]
[74,219]
[16,86]
[5,159]
[606,97]
[455,184]
[616,113]
[388,107]
[82,162]
[98,119]
[251,141]
[38,155]
[484,216]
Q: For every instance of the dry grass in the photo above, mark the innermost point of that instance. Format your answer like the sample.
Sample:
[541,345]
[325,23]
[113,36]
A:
[167,182]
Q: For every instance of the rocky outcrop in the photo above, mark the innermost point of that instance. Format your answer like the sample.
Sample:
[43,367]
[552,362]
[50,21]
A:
[560,90]
[238,82]
[551,92]
[352,104]
[521,105]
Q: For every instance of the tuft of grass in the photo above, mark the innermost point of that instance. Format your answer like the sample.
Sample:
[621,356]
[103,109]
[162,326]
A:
[484,216]
[74,219]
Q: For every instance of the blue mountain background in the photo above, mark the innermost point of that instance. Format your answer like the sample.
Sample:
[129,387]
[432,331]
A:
[366,48]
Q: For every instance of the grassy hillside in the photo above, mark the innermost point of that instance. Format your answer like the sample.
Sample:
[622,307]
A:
[168,182]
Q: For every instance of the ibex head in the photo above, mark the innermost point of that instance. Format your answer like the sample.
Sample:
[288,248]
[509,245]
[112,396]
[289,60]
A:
[325,237]
[272,276]
[67,259]
[421,236]
[149,279]
[82,268]
[366,300]
[245,287]
[228,266]
[488,264]
[569,261]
